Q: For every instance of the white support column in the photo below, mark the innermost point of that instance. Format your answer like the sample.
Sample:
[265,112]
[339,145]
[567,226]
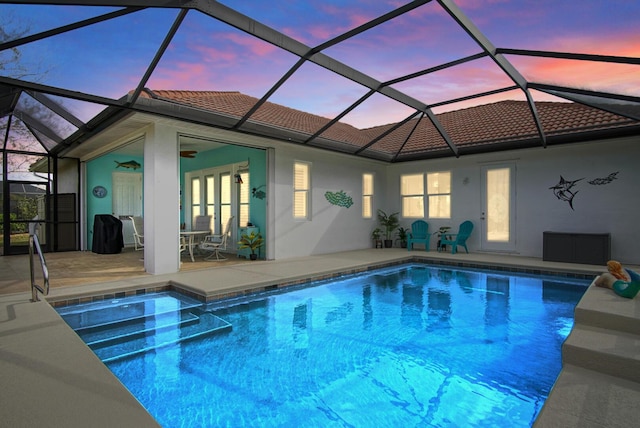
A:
[161,201]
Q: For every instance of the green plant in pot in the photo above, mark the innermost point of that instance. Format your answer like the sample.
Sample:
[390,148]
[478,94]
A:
[402,236]
[389,222]
[375,235]
[253,241]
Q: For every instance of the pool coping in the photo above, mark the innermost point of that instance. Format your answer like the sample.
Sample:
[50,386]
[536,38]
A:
[207,297]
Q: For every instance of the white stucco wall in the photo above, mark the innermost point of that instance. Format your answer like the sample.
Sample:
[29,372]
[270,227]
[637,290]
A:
[610,208]
[330,227]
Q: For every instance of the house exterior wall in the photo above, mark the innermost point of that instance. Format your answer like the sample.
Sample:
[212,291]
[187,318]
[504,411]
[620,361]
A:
[597,208]
[606,208]
[330,228]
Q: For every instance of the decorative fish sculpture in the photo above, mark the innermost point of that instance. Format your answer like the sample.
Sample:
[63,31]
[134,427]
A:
[339,198]
[129,164]
[562,190]
[606,180]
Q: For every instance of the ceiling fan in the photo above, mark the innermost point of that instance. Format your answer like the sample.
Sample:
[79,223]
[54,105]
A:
[188,153]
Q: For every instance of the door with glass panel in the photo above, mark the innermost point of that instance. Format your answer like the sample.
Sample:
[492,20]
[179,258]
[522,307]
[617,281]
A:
[25,202]
[211,194]
[497,221]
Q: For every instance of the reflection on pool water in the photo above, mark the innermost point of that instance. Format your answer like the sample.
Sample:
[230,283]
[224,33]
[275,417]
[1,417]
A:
[405,346]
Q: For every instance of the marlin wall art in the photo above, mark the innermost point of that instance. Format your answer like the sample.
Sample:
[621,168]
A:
[129,164]
[564,189]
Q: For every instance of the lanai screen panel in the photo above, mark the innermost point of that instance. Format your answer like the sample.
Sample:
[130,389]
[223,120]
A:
[366,65]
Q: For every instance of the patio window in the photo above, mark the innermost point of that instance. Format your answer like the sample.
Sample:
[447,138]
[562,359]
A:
[195,197]
[439,194]
[367,195]
[412,192]
[301,190]
[244,214]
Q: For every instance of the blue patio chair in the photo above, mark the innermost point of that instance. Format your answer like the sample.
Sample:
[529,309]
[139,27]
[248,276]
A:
[419,235]
[459,238]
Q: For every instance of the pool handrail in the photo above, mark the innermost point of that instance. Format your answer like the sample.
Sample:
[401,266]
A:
[34,246]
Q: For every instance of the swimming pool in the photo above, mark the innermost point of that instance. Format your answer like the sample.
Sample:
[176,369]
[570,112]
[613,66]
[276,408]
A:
[411,345]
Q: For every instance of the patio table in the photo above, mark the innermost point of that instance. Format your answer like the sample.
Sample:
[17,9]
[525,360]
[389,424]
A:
[190,235]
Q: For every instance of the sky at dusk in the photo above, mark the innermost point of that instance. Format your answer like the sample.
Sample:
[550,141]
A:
[109,58]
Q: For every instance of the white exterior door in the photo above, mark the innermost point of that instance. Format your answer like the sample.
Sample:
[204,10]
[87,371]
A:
[127,194]
[127,200]
[498,207]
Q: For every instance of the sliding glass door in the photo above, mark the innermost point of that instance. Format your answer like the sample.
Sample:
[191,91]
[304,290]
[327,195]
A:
[211,192]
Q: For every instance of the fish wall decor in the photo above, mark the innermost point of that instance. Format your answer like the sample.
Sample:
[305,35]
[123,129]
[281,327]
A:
[605,180]
[339,198]
[128,164]
[564,189]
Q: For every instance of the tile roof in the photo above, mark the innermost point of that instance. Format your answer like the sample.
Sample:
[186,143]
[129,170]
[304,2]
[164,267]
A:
[472,128]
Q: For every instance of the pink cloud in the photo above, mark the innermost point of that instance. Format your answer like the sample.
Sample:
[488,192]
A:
[478,4]
[617,44]
[605,77]
[466,79]
[181,76]
[320,33]
[251,44]
[377,110]
[358,19]
[599,76]
[517,95]
[208,54]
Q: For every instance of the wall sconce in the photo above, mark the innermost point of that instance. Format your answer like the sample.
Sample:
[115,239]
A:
[237,178]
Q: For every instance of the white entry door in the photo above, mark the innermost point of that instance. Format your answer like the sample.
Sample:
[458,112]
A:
[127,201]
[498,207]
[127,194]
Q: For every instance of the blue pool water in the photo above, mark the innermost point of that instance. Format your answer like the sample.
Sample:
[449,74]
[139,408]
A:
[407,346]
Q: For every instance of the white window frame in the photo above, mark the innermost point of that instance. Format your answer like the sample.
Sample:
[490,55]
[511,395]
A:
[441,195]
[196,200]
[367,194]
[302,191]
[406,195]
[244,199]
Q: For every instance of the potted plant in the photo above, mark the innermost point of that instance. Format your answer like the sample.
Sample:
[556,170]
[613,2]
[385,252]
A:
[377,232]
[390,223]
[253,241]
[402,236]
[442,232]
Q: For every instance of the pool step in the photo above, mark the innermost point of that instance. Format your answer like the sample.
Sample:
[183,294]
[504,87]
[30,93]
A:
[612,352]
[608,312]
[605,335]
[196,323]
[111,332]
[102,313]
[120,327]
